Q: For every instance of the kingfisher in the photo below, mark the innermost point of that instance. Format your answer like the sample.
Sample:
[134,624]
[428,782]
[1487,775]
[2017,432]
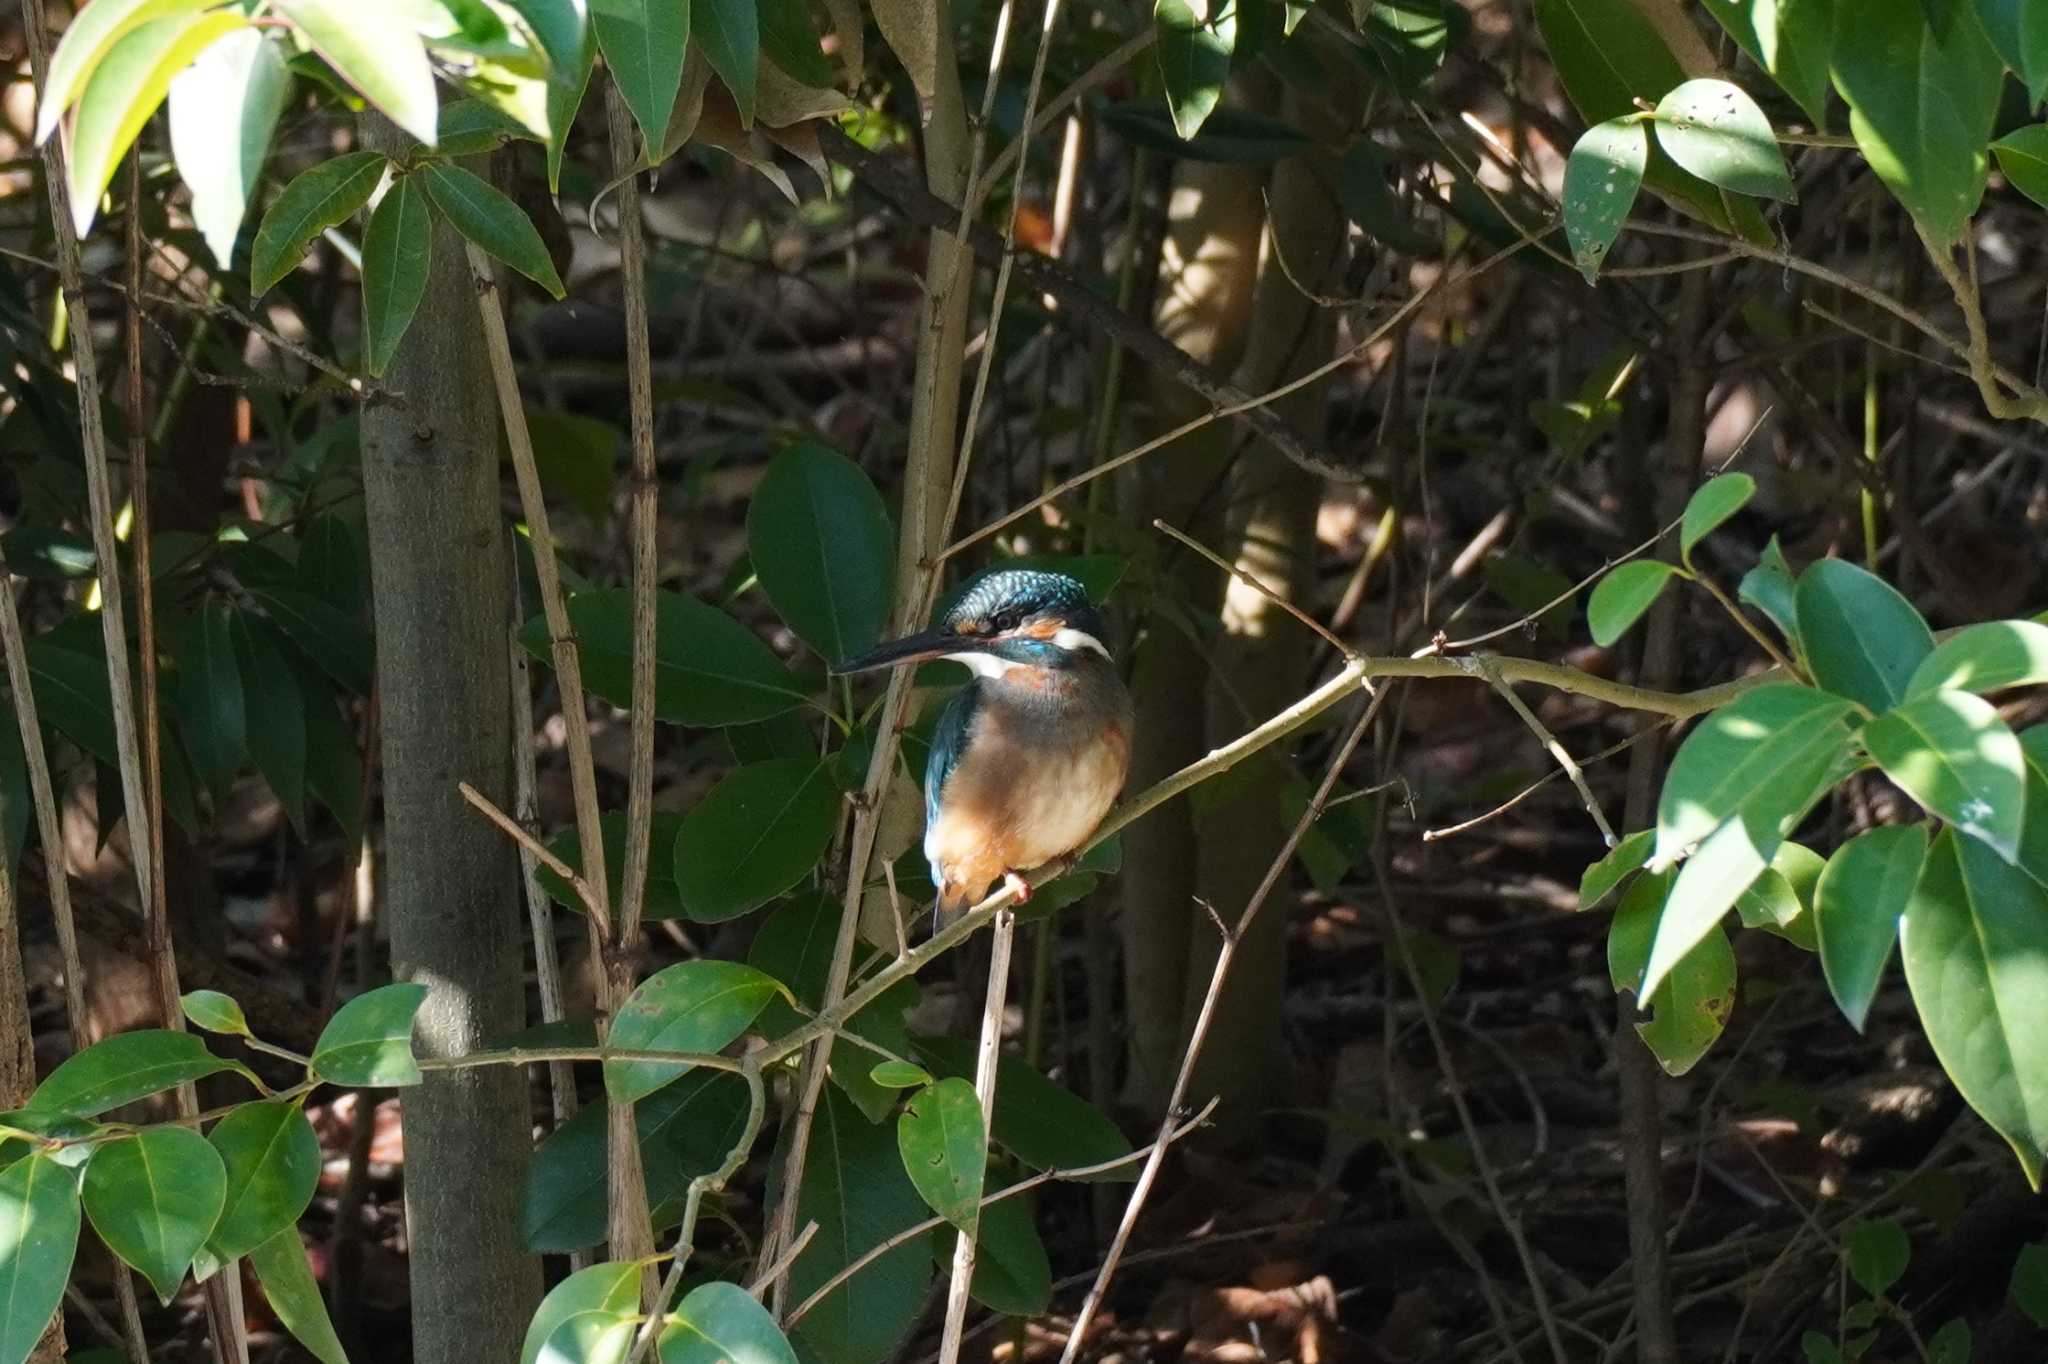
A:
[1027,757]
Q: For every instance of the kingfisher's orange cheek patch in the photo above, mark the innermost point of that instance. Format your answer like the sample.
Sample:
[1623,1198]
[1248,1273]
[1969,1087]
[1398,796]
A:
[1042,629]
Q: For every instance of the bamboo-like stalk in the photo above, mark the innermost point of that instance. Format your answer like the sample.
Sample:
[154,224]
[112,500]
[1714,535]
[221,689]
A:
[987,1051]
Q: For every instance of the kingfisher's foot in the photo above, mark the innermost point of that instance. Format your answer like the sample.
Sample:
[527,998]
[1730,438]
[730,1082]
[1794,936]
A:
[1018,886]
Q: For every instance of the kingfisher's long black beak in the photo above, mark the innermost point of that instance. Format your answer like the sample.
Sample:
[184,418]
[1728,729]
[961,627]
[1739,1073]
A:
[917,648]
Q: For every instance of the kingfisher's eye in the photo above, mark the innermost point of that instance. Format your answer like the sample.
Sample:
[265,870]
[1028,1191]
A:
[1004,622]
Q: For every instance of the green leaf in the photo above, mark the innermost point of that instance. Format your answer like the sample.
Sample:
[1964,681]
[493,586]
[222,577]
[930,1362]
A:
[1770,905]
[270,689]
[1363,191]
[2018,29]
[324,196]
[1971,945]
[470,127]
[728,33]
[1195,38]
[576,457]
[756,834]
[1601,180]
[1950,751]
[2029,1285]
[224,108]
[856,1191]
[591,1338]
[369,1039]
[1012,1274]
[38,1239]
[685,1130]
[325,634]
[287,1277]
[945,1149]
[1985,658]
[643,43]
[153,1198]
[662,901]
[334,766]
[126,1067]
[695,1006]
[91,34]
[124,89]
[1710,507]
[789,39]
[398,248]
[1603,876]
[1228,137]
[272,1160]
[1790,39]
[1715,130]
[1623,595]
[819,537]
[1877,1253]
[1921,107]
[1857,906]
[215,1012]
[1770,588]
[708,668]
[1038,1121]
[1862,639]
[210,691]
[491,221]
[1951,1344]
[901,1075]
[612,1288]
[1690,1004]
[720,1323]
[374,46]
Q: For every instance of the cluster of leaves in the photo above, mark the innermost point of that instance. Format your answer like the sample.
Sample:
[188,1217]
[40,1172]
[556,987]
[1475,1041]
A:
[1865,684]
[1876,1254]
[168,1198]
[1923,83]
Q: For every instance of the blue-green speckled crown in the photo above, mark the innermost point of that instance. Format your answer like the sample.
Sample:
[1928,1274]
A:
[1007,597]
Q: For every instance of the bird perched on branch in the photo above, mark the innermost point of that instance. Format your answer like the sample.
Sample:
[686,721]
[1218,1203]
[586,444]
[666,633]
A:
[1032,752]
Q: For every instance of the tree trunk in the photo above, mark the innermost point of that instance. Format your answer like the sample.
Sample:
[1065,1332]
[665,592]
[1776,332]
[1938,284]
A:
[438,573]
[1206,277]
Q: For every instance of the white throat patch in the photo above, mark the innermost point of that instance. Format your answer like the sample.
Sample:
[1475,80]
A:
[1071,639]
[984,665]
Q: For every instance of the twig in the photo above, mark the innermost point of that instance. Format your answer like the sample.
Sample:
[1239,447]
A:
[1556,750]
[530,845]
[2027,403]
[1109,65]
[1343,650]
[987,1051]
[768,1276]
[1466,826]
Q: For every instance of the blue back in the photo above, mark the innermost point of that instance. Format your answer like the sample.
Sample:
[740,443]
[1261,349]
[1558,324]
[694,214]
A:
[948,739]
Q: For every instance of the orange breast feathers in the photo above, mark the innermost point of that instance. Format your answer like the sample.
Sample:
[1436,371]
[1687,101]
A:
[1013,806]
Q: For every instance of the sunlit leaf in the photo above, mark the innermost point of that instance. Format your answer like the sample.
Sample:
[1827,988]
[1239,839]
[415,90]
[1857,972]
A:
[126,1067]
[287,1277]
[154,1198]
[721,1323]
[224,108]
[694,1006]
[1691,1001]
[1620,598]
[1790,39]
[272,1161]
[1195,38]
[612,1288]
[1984,658]
[1710,507]
[373,46]
[1601,178]
[1860,637]
[91,34]
[1715,130]
[944,1146]
[215,1012]
[1951,752]
[643,43]
[38,1239]
[369,1039]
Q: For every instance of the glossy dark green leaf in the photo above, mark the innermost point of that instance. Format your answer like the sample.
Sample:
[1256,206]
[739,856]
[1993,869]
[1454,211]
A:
[1877,1254]
[1950,751]
[214,1012]
[1370,202]
[1770,905]
[270,689]
[321,197]
[491,221]
[1971,944]
[1601,178]
[1771,588]
[72,697]
[373,46]
[2029,1284]
[728,33]
[224,108]
[577,457]
[369,1039]
[210,692]
[38,1239]
[126,1067]
[1985,658]
[661,901]
[685,1130]
[324,633]
[334,765]
[470,127]
[124,89]
[154,1198]
[721,1323]
[1710,507]
[612,1288]
[1921,107]
[900,1075]
[1951,1343]
[1625,857]
[708,668]
[1790,39]
[1715,130]
[643,43]
[789,39]
[398,248]
[1862,639]
[1229,136]
[1012,1273]
[856,1191]
[1040,1122]
[1623,595]
[2018,29]
[1862,894]
[819,537]
[1194,38]
[272,1160]
[1691,1001]
[755,835]
[696,1006]
[287,1277]
[945,1149]
[2023,156]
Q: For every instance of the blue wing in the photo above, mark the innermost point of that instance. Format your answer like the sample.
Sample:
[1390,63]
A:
[948,741]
